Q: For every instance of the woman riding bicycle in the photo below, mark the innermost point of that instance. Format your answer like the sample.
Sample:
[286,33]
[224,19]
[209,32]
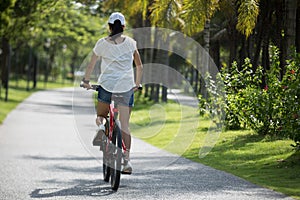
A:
[117,52]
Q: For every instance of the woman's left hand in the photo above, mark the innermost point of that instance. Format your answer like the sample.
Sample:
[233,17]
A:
[138,87]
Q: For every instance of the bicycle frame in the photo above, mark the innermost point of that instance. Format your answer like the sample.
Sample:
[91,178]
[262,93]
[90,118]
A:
[113,121]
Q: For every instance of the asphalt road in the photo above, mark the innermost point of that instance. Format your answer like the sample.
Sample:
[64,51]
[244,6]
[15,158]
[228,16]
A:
[44,155]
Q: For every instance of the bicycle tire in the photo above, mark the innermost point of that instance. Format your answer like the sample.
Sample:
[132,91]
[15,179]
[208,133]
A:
[106,165]
[106,168]
[115,169]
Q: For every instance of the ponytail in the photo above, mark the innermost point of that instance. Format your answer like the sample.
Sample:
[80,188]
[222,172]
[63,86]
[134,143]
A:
[116,29]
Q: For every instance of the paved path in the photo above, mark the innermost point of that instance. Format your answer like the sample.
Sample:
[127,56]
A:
[43,155]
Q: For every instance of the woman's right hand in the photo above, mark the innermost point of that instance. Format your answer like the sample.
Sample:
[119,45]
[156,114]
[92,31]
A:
[86,85]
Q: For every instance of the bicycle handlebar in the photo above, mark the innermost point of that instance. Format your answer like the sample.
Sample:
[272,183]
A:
[95,87]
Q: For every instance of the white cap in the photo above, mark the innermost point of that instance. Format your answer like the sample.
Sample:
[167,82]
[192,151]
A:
[116,16]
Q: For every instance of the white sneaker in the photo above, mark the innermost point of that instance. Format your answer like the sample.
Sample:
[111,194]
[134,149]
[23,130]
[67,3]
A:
[127,169]
[101,127]
[98,137]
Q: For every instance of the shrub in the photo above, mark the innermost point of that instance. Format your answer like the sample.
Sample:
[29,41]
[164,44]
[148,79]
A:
[270,109]
[290,100]
[213,104]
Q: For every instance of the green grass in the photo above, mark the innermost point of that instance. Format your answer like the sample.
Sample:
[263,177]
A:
[168,127]
[17,93]
[261,160]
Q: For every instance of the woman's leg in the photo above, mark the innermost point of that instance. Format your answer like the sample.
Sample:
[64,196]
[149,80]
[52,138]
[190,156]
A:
[104,99]
[124,119]
[102,112]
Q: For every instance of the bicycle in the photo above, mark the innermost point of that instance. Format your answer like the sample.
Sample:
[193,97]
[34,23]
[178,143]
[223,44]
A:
[113,147]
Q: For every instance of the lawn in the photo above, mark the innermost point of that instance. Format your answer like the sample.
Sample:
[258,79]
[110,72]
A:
[264,161]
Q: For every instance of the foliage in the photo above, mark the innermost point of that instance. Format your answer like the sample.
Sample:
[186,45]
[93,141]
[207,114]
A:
[270,109]
[130,8]
[191,15]
[213,104]
[62,21]
[247,15]
[196,13]
[58,33]
[168,10]
[187,15]
[242,97]
[290,101]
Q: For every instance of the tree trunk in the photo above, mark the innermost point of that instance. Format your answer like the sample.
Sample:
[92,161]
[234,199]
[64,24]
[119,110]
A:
[242,51]
[289,38]
[29,69]
[155,87]
[73,63]
[298,28]
[265,60]
[232,35]
[205,56]
[35,66]
[164,59]
[46,74]
[5,65]
[267,26]
[290,26]
[262,29]
[215,53]
[258,42]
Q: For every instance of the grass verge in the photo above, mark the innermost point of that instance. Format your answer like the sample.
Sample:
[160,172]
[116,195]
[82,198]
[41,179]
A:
[17,93]
[264,161]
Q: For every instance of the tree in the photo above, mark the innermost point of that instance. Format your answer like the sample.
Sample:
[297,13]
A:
[16,19]
[289,28]
[37,32]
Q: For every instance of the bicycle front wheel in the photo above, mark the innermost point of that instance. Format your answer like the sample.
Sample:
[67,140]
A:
[115,169]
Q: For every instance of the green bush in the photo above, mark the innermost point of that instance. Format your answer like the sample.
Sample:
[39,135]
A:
[290,100]
[213,105]
[269,109]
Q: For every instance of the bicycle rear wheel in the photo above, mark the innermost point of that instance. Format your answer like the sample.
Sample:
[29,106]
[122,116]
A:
[106,168]
[106,156]
[115,169]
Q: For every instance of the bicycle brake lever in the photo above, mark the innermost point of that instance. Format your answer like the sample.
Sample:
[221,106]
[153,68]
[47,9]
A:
[140,87]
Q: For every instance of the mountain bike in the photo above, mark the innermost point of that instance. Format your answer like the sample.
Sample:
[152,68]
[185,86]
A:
[113,147]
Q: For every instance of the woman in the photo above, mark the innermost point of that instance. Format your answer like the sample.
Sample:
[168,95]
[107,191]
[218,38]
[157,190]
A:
[117,52]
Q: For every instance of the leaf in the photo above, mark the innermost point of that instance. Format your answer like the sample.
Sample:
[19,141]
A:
[247,16]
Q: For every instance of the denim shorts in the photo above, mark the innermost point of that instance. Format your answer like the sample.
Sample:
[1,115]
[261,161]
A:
[124,99]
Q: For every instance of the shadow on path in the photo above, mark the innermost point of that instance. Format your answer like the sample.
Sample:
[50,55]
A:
[82,188]
[182,178]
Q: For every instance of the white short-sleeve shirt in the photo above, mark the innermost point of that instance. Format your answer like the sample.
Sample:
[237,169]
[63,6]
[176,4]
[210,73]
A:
[117,64]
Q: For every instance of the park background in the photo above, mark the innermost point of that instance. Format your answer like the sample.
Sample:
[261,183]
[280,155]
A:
[254,43]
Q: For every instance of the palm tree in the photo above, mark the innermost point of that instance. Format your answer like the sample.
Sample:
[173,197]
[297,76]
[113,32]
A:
[289,37]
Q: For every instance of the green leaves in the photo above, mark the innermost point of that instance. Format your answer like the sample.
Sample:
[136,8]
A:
[166,13]
[55,34]
[188,15]
[247,15]
[196,13]
[271,109]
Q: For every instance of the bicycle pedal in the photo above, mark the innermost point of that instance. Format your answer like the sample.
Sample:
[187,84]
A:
[126,173]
